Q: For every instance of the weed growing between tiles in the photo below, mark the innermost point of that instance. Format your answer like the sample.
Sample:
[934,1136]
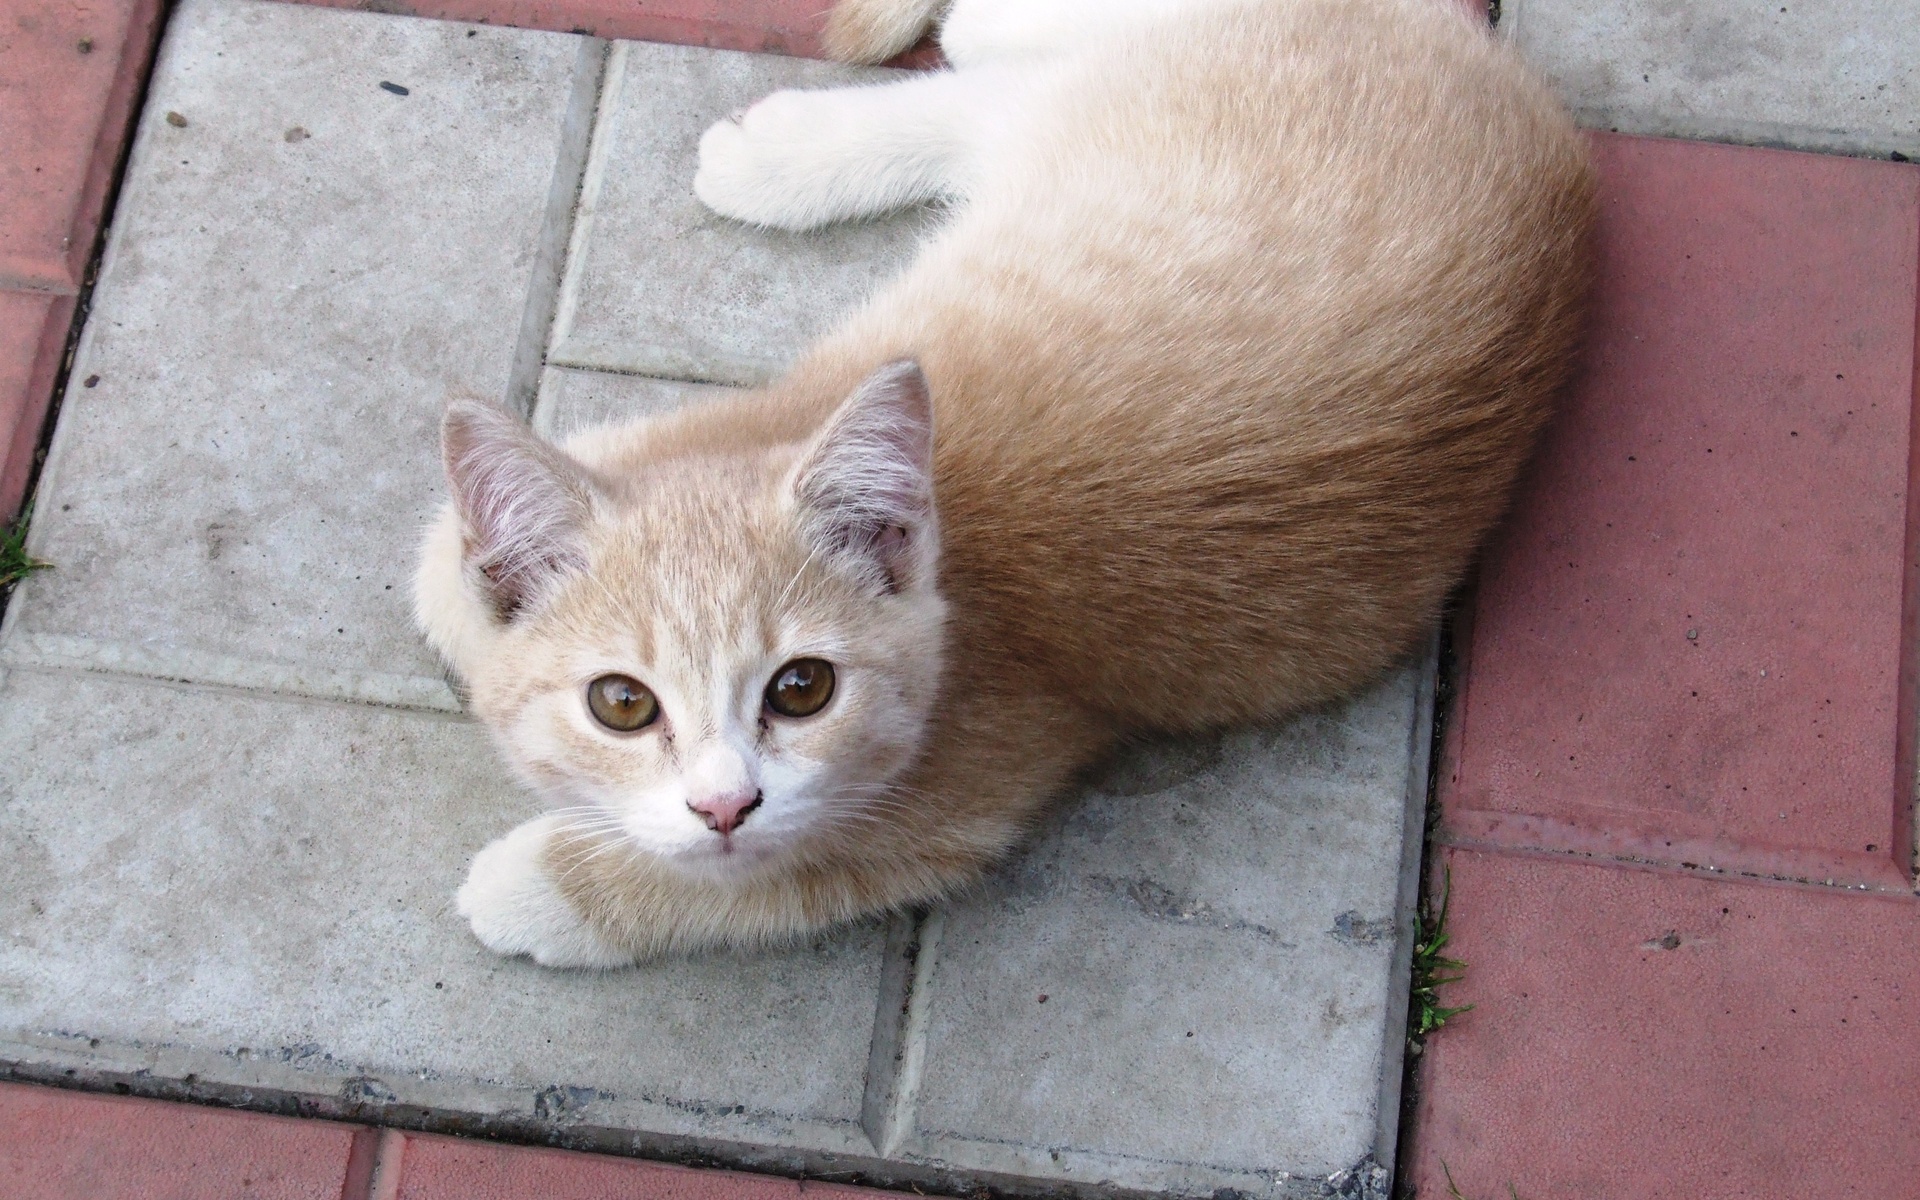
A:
[15,563]
[1433,970]
[1430,968]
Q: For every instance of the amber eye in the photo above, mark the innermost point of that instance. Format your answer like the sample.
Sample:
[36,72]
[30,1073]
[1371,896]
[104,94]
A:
[801,688]
[621,703]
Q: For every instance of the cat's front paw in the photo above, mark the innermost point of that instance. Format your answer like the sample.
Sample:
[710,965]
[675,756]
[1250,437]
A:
[514,906]
[768,166]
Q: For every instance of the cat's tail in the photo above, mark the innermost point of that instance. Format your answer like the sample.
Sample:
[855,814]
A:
[871,31]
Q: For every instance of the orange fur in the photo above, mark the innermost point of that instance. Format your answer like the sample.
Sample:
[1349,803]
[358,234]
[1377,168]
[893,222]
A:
[1233,366]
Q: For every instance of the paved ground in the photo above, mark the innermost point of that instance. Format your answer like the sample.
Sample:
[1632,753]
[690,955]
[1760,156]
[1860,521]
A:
[1677,799]
[68,86]
[69,1144]
[1809,74]
[1676,795]
[241,884]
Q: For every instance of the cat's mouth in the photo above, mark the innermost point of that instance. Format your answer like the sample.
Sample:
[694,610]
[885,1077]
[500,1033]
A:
[656,831]
[726,855]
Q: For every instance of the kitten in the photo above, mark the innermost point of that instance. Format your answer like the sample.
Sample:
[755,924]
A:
[1245,317]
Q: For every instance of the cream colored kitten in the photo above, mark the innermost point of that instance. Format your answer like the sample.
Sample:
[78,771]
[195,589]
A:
[1246,316]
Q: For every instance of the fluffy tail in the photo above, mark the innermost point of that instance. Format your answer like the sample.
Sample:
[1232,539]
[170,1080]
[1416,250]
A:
[871,31]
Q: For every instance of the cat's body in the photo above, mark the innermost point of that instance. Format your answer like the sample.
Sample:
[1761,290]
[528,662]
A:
[1249,312]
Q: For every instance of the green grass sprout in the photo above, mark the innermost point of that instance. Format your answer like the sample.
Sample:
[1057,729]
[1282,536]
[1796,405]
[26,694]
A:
[1454,1192]
[15,563]
[1432,970]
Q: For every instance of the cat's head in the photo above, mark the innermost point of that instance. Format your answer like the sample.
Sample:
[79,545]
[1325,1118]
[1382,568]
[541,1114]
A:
[723,661]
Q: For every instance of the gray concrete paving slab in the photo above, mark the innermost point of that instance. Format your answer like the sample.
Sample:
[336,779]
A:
[303,265]
[228,852]
[1194,976]
[657,284]
[1810,74]
[571,400]
[245,892]
[1194,979]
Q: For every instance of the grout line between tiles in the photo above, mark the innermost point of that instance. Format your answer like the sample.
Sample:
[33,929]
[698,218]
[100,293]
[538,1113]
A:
[556,225]
[1651,122]
[588,368]
[1393,1050]
[196,667]
[885,1050]
[1905,835]
[654,361]
[566,304]
[898,1123]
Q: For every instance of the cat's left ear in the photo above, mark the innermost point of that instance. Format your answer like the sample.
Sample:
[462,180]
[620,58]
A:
[865,484]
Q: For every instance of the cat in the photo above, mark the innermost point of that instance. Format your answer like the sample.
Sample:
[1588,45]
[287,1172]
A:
[1242,320]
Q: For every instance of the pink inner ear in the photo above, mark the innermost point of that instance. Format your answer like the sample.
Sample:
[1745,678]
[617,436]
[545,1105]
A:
[890,541]
[868,478]
[890,547]
[523,503]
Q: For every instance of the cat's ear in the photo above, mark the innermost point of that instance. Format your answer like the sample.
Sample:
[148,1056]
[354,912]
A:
[523,503]
[865,484]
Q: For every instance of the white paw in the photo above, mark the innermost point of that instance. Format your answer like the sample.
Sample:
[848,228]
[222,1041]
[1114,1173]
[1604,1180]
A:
[775,164]
[515,908]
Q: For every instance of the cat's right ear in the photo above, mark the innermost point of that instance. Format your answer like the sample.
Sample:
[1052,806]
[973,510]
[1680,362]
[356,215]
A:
[523,503]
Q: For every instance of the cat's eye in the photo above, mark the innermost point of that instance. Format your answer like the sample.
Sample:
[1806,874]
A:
[622,703]
[801,688]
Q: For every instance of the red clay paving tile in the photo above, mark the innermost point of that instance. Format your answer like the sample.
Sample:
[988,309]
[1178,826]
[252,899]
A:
[33,336]
[1686,643]
[1656,1035]
[69,76]
[444,1168]
[58,1145]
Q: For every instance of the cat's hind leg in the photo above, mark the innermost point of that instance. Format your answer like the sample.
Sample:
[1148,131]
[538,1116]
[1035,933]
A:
[871,31]
[799,160]
[515,906]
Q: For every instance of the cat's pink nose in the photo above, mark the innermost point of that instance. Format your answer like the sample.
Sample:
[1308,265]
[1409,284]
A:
[723,814]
